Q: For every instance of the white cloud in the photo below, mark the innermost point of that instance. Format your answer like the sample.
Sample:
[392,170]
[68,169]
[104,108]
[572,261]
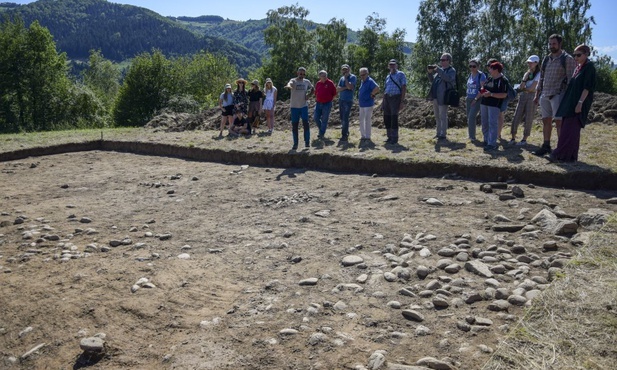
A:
[606,49]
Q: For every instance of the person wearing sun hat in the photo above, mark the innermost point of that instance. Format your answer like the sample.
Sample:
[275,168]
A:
[241,99]
[525,106]
[226,103]
[255,99]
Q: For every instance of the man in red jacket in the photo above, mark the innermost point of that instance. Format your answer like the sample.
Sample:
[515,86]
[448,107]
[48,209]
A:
[325,91]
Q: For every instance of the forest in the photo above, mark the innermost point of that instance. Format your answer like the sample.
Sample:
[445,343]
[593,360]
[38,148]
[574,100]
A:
[138,64]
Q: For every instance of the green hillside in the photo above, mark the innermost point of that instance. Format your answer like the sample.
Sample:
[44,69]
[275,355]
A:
[122,31]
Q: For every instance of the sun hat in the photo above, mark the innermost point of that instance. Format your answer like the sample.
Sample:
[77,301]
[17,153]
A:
[241,80]
[533,59]
[268,80]
[255,82]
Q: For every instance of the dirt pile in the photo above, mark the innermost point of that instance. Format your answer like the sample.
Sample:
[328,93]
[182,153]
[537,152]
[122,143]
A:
[417,114]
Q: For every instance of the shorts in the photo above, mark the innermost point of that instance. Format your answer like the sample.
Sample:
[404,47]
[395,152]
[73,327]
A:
[228,110]
[548,107]
[297,113]
[254,107]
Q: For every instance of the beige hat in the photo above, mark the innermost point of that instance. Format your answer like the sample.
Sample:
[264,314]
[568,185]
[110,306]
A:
[228,86]
[255,82]
[241,80]
[268,80]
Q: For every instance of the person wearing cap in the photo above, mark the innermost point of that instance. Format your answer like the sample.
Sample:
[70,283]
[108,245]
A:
[441,77]
[555,73]
[300,90]
[395,89]
[269,103]
[226,103]
[525,106]
[325,91]
[241,99]
[474,82]
[255,100]
[345,89]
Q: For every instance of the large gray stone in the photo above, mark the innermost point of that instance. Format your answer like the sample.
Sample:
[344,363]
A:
[479,268]
[545,219]
[594,218]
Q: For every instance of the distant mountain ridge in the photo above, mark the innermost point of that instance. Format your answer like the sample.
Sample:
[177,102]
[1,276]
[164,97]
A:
[121,31]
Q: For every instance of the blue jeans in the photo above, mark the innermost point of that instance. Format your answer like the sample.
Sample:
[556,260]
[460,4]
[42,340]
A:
[296,114]
[490,123]
[345,110]
[322,113]
[472,115]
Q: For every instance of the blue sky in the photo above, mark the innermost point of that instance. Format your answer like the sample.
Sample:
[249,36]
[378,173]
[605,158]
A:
[354,13]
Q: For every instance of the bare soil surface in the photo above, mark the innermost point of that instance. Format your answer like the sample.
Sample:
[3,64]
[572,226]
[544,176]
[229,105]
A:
[190,265]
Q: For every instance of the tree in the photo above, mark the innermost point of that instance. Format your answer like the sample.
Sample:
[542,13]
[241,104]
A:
[376,47]
[443,27]
[331,40]
[34,84]
[102,77]
[290,44]
[146,89]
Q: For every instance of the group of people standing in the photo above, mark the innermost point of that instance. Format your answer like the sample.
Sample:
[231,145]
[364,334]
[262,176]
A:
[562,85]
[241,109]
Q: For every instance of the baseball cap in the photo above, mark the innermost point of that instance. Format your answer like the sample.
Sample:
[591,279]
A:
[533,59]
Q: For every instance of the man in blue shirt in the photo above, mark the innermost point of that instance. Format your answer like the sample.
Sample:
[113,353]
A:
[395,89]
[345,89]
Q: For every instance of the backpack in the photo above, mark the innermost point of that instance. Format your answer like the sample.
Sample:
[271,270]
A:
[562,59]
[511,94]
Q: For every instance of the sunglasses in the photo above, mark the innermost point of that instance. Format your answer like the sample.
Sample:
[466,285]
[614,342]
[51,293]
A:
[363,74]
[577,54]
[472,66]
[443,60]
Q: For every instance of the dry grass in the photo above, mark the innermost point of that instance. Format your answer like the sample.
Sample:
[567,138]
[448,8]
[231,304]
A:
[415,145]
[573,324]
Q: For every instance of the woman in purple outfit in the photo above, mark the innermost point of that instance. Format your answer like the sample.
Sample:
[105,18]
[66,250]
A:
[575,106]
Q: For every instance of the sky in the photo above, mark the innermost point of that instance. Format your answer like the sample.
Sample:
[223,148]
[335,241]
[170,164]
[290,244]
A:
[354,13]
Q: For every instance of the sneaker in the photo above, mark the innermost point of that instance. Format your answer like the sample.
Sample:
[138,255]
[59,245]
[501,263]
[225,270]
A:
[544,149]
[512,142]
[294,147]
[490,148]
[307,145]
[521,143]
[344,139]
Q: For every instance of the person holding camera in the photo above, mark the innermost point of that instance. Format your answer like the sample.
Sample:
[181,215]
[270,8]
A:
[345,89]
[441,77]
[395,90]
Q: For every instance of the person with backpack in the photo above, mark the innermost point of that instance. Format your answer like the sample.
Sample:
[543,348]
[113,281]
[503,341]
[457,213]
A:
[493,92]
[441,77]
[474,82]
[555,74]
[395,89]
[525,106]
